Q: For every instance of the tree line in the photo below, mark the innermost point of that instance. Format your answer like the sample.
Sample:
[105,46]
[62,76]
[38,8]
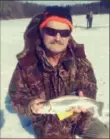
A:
[16,9]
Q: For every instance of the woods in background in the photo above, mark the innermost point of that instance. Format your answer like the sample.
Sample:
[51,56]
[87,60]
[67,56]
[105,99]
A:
[16,9]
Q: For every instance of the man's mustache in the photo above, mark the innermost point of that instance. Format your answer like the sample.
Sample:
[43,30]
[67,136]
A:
[56,42]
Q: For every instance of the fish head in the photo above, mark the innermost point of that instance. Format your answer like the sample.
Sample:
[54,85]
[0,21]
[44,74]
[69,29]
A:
[46,108]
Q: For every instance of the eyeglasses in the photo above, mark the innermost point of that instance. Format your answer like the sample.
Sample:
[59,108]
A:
[53,32]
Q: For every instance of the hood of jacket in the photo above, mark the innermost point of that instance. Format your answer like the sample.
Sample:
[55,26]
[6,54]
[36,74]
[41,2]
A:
[33,44]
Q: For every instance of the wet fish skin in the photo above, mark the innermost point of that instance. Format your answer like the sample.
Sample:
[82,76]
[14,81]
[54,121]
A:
[64,103]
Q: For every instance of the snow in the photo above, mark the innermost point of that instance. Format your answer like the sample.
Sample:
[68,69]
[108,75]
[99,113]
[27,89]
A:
[96,41]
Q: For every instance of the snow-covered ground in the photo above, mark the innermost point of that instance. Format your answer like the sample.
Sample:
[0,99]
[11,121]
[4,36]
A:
[96,42]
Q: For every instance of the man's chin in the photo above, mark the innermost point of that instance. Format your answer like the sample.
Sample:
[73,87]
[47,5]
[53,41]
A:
[56,52]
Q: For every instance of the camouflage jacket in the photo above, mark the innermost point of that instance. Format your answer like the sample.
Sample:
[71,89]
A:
[34,78]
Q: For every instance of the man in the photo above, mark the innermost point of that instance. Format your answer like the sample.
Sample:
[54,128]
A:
[52,64]
[89,18]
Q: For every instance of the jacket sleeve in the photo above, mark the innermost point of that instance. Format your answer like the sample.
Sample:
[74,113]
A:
[20,93]
[86,83]
[86,78]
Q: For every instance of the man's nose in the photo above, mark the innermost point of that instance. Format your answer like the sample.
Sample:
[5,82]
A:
[58,37]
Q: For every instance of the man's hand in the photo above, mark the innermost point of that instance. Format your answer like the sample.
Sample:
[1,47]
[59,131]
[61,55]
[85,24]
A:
[79,109]
[36,105]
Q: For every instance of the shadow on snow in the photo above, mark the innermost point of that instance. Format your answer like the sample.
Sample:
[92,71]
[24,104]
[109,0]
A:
[25,121]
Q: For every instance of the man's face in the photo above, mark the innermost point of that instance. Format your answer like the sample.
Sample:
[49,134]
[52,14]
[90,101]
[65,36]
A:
[56,36]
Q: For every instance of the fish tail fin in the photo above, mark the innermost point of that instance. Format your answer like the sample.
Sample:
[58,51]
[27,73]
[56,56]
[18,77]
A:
[100,107]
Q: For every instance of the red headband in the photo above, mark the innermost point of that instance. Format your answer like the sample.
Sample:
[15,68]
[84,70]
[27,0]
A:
[55,18]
